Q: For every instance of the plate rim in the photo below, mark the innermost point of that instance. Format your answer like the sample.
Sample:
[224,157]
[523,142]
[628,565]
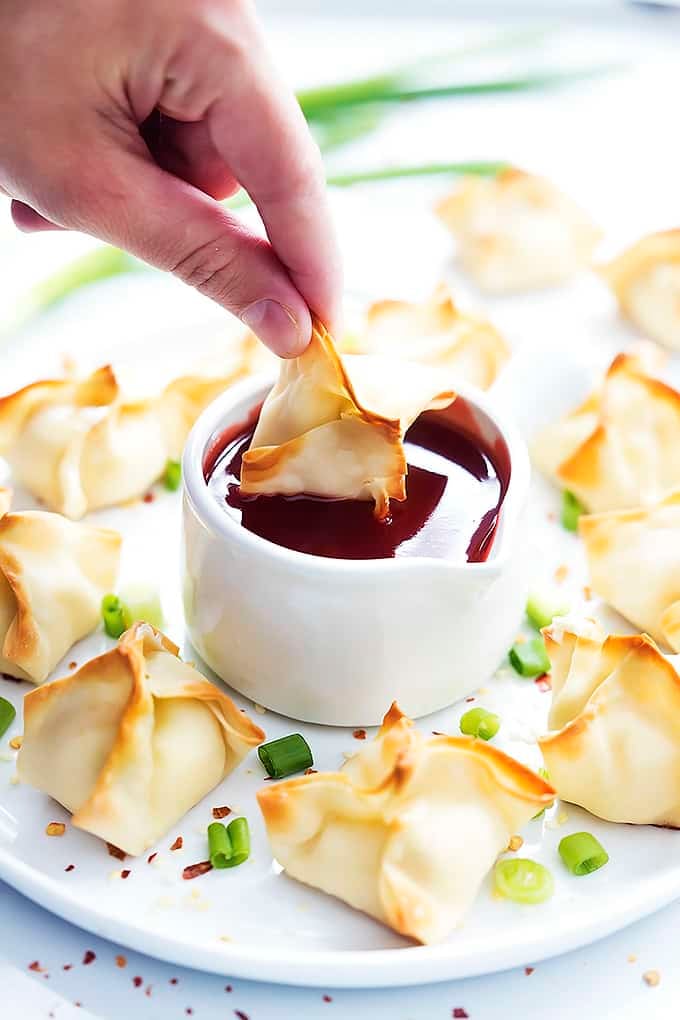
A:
[366,968]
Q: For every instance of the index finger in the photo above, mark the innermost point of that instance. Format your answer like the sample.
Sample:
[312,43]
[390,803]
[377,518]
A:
[260,132]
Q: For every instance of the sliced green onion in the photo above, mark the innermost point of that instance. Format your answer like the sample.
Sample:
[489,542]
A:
[542,610]
[141,602]
[219,845]
[544,774]
[523,880]
[529,658]
[8,714]
[113,614]
[172,476]
[285,756]
[582,853]
[480,723]
[572,508]
[239,838]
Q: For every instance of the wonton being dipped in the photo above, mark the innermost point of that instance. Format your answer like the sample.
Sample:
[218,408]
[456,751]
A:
[335,427]
[437,333]
[516,231]
[646,281]
[621,447]
[616,709]
[132,740]
[79,445]
[634,563]
[53,576]
[408,829]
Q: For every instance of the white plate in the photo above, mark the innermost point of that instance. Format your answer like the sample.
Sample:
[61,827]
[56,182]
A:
[253,921]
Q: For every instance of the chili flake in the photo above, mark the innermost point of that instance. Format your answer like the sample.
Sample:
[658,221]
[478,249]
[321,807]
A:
[116,852]
[326,998]
[69,867]
[151,857]
[528,971]
[125,873]
[311,772]
[221,812]
[55,829]
[359,734]
[240,1015]
[172,981]
[149,497]
[194,870]
[72,665]
[121,961]
[137,982]
[67,966]
[543,682]
[459,1013]
[178,844]
[35,966]
[89,957]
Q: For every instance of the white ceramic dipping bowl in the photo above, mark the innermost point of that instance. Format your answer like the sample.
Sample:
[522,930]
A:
[336,641]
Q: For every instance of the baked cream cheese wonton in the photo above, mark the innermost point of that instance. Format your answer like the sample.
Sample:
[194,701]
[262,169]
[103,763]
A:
[616,712]
[516,231]
[408,829]
[621,447]
[53,576]
[335,426]
[634,563]
[435,332]
[646,281]
[132,740]
[78,445]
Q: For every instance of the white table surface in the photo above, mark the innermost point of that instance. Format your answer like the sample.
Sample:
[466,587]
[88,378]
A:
[627,169]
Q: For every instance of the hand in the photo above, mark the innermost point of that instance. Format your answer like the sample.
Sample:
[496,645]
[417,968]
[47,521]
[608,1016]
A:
[78,78]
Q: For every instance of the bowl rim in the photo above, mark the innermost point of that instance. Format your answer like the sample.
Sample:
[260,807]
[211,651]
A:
[255,387]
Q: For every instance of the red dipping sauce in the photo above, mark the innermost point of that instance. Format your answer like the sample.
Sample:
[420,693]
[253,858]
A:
[454,495]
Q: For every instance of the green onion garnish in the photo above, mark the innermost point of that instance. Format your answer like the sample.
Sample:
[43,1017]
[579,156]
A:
[219,845]
[239,837]
[229,846]
[523,880]
[480,723]
[285,756]
[172,476]
[541,611]
[572,508]
[113,614]
[529,658]
[141,602]
[582,853]
[7,715]
[544,774]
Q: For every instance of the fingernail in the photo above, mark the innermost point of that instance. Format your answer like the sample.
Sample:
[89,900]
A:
[276,326]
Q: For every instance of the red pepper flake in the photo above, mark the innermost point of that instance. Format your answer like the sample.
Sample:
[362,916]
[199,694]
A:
[147,991]
[470,699]
[267,779]
[438,733]
[149,497]
[89,957]
[240,1015]
[359,734]
[221,812]
[189,1011]
[194,870]
[137,982]
[72,665]
[151,857]
[173,981]
[121,961]
[78,1005]
[228,988]
[67,966]
[178,844]
[326,998]
[69,867]
[311,772]
[459,1013]
[116,852]
[46,976]
[528,971]
[544,682]
[125,873]
[35,966]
